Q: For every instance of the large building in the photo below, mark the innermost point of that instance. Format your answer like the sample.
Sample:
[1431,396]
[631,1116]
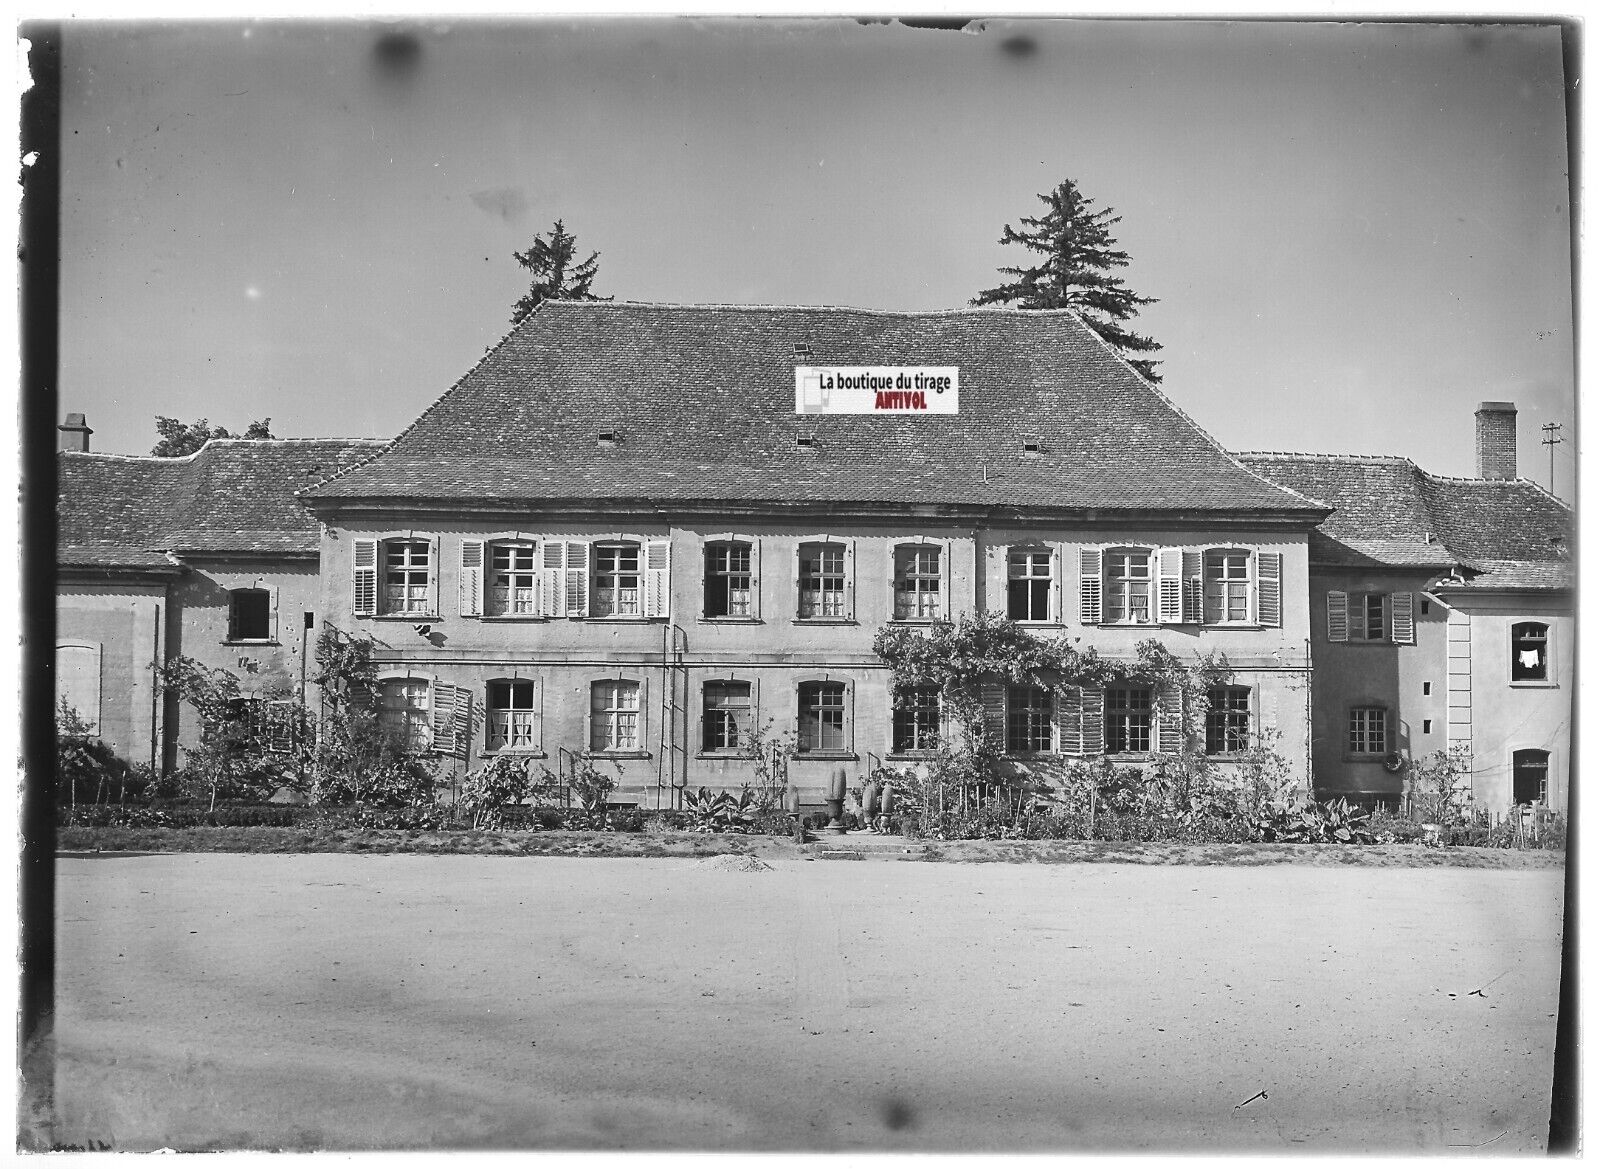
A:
[629,537]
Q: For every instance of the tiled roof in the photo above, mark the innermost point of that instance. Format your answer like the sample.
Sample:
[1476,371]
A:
[1506,533]
[231,496]
[701,400]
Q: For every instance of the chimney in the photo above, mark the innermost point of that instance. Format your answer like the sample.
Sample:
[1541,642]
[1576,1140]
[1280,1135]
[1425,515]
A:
[74,434]
[1497,440]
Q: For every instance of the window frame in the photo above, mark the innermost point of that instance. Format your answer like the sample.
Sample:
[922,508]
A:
[917,547]
[616,544]
[1546,678]
[429,573]
[923,699]
[535,748]
[1230,734]
[847,709]
[408,713]
[1031,726]
[1051,579]
[846,547]
[492,547]
[1149,581]
[725,543]
[1351,753]
[640,749]
[1548,761]
[727,714]
[1129,712]
[269,615]
[1213,618]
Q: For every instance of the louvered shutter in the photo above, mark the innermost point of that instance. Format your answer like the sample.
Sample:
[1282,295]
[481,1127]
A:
[1170,704]
[1058,610]
[850,580]
[993,695]
[658,578]
[1169,585]
[1338,616]
[272,613]
[755,579]
[1404,625]
[434,574]
[947,602]
[1089,572]
[577,579]
[1269,588]
[1193,588]
[471,580]
[1069,720]
[364,561]
[445,698]
[553,578]
[1094,721]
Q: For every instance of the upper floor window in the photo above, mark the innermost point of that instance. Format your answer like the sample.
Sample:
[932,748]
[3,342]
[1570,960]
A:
[822,724]
[916,719]
[513,580]
[1227,586]
[1028,720]
[1371,617]
[725,721]
[823,581]
[513,716]
[614,716]
[1127,587]
[1228,720]
[616,581]
[1029,580]
[249,615]
[1369,730]
[407,576]
[918,582]
[1128,716]
[729,580]
[1530,652]
[405,712]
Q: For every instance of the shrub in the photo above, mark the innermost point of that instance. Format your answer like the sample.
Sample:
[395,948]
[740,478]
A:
[720,811]
[87,770]
[1316,823]
[772,822]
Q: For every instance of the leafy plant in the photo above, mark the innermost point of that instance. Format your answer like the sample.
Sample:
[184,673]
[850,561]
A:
[1312,822]
[710,811]
[88,770]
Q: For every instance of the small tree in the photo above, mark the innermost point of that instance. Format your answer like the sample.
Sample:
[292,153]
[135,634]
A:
[184,438]
[87,769]
[356,760]
[1078,271]
[238,755]
[555,275]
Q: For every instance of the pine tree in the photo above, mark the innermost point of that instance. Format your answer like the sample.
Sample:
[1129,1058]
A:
[555,276]
[1077,272]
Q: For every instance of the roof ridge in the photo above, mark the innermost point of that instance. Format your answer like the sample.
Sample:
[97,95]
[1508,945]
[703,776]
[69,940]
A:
[1323,457]
[986,310]
[192,455]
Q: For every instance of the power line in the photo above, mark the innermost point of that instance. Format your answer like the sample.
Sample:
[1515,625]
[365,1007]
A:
[1550,439]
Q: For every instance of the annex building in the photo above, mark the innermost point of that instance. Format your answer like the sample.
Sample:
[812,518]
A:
[617,538]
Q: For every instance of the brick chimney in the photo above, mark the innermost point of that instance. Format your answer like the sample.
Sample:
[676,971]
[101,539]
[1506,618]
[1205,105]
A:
[75,434]
[1497,440]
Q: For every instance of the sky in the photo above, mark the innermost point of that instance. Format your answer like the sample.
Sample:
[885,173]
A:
[1354,233]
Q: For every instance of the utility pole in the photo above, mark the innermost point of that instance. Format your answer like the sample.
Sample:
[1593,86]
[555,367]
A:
[1550,439]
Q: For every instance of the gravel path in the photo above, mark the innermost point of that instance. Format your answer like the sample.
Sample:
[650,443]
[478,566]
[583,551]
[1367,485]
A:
[349,1002]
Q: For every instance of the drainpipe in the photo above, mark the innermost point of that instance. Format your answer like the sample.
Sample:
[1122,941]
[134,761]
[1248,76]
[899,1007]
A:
[155,692]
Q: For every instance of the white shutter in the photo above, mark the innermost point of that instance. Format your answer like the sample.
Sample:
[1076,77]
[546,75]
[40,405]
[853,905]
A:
[272,613]
[1338,616]
[1069,720]
[850,579]
[794,579]
[447,701]
[553,578]
[1089,572]
[471,580]
[1193,588]
[755,578]
[1058,609]
[364,570]
[1169,585]
[947,603]
[1171,734]
[1269,588]
[1094,721]
[658,578]
[577,579]
[433,576]
[1405,630]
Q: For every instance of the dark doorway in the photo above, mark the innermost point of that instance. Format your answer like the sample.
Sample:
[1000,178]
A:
[1530,772]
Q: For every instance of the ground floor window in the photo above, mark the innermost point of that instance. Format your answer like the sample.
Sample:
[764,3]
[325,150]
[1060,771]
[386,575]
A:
[916,719]
[513,716]
[403,713]
[1028,711]
[1228,720]
[1530,777]
[1369,727]
[614,716]
[1128,712]
[726,717]
[822,724]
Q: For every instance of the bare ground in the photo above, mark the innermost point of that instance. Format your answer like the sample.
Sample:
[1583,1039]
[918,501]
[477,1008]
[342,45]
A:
[349,1002]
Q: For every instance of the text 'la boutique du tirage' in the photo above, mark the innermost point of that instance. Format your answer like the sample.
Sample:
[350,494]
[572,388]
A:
[877,389]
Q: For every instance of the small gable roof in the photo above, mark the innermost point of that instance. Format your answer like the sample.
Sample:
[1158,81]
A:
[700,401]
[1389,513]
[232,496]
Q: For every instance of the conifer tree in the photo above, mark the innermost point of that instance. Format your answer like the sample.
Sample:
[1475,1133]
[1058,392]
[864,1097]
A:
[555,276]
[1078,271]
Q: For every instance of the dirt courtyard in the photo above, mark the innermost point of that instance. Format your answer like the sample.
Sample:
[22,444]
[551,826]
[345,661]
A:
[348,1002]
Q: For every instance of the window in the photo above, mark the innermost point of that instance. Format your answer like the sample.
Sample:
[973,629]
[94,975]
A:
[1228,720]
[1127,719]
[1366,617]
[1371,617]
[1028,585]
[407,576]
[249,615]
[822,581]
[1530,652]
[1427,689]
[728,581]
[1427,726]
[1128,586]
[614,715]
[1530,774]
[1028,716]
[513,716]
[616,581]
[513,581]
[917,578]
[1227,587]
[726,719]
[822,722]
[404,713]
[916,720]
[78,680]
[1369,730]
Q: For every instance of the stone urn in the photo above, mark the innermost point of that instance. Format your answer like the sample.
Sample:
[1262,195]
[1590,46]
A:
[836,783]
